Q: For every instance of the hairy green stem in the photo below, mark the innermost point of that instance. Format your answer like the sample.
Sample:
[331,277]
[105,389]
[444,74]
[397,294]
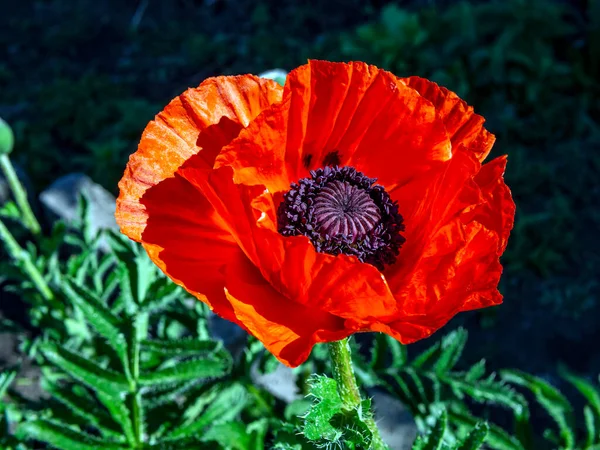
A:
[341,359]
[29,219]
[24,259]
[139,332]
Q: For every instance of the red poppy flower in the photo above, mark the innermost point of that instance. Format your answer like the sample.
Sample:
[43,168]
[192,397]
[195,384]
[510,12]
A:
[350,200]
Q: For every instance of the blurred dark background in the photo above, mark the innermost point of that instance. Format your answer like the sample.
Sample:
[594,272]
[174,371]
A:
[79,79]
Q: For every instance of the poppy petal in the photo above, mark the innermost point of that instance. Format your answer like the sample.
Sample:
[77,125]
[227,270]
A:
[462,124]
[177,226]
[428,203]
[339,114]
[340,285]
[172,137]
[287,329]
[458,268]
[497,211]
[185,238]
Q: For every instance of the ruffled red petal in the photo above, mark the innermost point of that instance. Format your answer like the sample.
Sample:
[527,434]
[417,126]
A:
[341,285]
[462,124]
[171,138]
[346,114]
[287,329]
[175,223]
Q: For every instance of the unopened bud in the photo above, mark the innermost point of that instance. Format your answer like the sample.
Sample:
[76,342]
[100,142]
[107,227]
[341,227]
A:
[7,139]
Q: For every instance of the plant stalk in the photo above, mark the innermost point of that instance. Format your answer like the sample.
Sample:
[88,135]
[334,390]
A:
[24,259]
[29,219]
[343,373]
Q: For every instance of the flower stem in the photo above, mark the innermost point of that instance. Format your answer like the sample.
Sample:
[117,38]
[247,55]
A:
[341,360]
[29,219]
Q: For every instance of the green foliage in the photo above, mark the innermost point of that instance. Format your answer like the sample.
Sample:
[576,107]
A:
[561,411]
[126,356]
[434,439]
[430,382]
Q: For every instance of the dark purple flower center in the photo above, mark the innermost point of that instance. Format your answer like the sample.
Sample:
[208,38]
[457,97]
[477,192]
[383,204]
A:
[342,211]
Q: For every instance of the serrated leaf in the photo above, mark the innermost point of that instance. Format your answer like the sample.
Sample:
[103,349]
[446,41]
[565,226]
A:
[587,389]
[89,373]
[121,415]
[476,437]
[551,399]
[99,316]
[451,349]
[426,357]
[490,390]
[187,370]
[226,406]
[141,272]
[497,438]
[435,438]
[83,407]
[181,347]
[64,438]
[317,424]
[476,371]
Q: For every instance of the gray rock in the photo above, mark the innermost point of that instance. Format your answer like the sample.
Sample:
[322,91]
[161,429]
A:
[60,201]
[398,428]
[233,336]
[281,383]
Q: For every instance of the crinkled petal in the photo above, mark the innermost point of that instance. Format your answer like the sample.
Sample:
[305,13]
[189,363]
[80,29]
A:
[287,329]
[340,285]
[176,224]
[462,124]
[497,210]
[456,268]
[219,106]
[344,114]
[188,241]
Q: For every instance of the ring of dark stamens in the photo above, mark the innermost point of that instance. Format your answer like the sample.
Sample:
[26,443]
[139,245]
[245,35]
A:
[342,211]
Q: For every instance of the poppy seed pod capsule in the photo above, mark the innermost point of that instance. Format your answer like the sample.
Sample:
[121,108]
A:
[348,200]
[7,139]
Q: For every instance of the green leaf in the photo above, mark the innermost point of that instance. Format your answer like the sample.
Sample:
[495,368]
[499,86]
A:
[99,316]
[6,378]
[476,437]
[120,414]
[476,371]
[183,444]
[590,426]
[551,399]
[434,440]
[427,357]
[64,438]
[317,424]
[451,348]
[82,406]
[89,373]
[587,389]
[497,438]
[382,344]
[226,406]
[181,347]
[229,435]
[489,390]
[140,269]
[188,370]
